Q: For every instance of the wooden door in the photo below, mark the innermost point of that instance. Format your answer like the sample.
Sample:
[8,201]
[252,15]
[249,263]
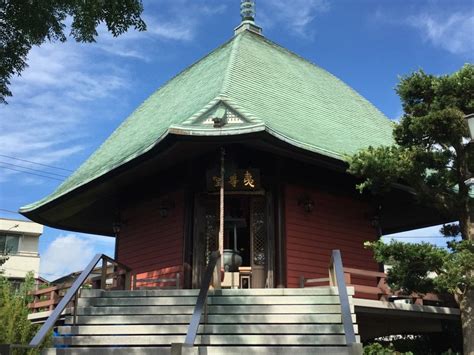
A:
[205,234]
[258,241]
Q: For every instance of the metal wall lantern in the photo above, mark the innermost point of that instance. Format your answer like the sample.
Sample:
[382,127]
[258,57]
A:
[165,207]
[116,227]
[307,203]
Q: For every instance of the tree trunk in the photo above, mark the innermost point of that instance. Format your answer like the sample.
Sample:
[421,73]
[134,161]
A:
[465,223]
[463,195]
[466,306]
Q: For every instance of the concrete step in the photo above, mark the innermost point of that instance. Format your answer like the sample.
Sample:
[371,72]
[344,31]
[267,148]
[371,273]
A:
[208,350]
[166,340]
[132,310]
[213,300]
[212,309]
[149,293]
[137,301]
[212,319]
[316,291]
[250,321]
[204,329]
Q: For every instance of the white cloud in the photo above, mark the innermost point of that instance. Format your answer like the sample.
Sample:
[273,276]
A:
[54,107]
[139,45]
[297,16]
[177,20]
[180,31]
[64,255]
[445,28]
[454,33]
[41,120]
[72,252]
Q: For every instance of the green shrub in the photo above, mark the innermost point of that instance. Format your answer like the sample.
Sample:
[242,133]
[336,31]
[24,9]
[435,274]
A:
[15,328]
[379,349]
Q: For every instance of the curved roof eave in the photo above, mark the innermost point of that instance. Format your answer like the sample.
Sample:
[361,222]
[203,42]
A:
[178,130]
[44,201]
[293,101]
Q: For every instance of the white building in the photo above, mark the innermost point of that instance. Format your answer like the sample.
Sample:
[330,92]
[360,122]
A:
[19,240]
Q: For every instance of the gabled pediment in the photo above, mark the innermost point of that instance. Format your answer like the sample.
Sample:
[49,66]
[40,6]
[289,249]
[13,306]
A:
[216,118]
[220,114]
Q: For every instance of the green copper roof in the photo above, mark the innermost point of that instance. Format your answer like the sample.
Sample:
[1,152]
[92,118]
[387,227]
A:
[261,87]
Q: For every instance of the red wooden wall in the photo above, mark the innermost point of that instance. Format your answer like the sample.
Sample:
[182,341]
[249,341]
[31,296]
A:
[150,244]
[337,222]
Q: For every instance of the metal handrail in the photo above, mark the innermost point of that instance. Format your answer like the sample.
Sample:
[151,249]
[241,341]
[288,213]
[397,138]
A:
[70,294]
[201,300]
[336,274]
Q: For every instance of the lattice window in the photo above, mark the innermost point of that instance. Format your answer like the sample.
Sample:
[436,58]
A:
[211,233]
[258,231]
[232,117]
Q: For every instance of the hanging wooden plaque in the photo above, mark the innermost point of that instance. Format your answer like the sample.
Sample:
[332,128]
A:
[236,180]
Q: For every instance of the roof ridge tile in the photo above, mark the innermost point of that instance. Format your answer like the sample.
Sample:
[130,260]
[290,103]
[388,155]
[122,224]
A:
[232,56]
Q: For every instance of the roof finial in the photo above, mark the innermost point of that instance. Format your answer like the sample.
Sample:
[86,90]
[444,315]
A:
[247,12]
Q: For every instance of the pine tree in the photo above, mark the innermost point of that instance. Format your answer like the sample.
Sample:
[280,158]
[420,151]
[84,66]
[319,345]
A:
[432,155]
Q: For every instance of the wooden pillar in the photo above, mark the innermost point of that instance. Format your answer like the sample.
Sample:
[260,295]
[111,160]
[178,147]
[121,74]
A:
[221,209]
[188,229]
[270,239]
[280,228]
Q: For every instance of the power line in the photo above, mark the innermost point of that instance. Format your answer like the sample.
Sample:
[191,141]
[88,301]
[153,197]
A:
[32,162]
[27,172]
[422,237]
[26,271]
[37,170]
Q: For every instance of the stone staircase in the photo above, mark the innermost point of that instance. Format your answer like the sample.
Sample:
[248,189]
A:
[251,321]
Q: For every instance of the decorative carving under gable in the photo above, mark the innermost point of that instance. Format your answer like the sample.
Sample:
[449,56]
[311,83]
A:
[230,117]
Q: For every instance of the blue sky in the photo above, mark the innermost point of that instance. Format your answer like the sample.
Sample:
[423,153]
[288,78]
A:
[73,96]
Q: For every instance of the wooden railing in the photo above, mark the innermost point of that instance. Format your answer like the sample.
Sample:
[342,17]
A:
[123,278]
[379,289]
[378,278]
[115,276]
[46,299]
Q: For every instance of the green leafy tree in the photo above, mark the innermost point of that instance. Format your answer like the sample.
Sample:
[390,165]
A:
[24,24]
[3,260]
[15,328]
[422,268]
[430,154]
